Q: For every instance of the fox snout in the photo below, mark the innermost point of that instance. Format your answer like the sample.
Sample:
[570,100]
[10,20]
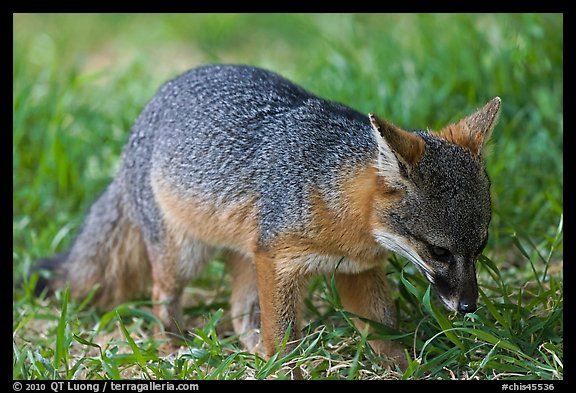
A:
[465,304]
[466,307]
[457,287]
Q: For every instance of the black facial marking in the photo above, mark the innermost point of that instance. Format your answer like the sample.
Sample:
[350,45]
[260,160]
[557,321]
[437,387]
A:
[442,286]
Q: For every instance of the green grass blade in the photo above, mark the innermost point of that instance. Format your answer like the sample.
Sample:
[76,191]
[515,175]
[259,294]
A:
[312,346]
[219,372]
[61,354]
[493,311]
[442,320]
[137,353]
[520,247]
[353,370]
[492,339]
[408,285]
[19,369]
[557,238]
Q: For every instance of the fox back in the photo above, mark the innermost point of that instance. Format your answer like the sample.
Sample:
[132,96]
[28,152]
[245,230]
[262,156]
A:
[229,135]
[285,184]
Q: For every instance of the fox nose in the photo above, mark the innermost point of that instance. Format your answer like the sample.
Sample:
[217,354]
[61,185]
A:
[466,307]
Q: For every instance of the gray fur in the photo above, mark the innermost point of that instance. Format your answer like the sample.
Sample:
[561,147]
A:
[222,133]
[453,196]
[447,205]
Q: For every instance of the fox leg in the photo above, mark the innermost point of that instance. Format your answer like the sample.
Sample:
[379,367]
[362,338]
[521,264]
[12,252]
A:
[174,263]
[244,300]
[280,290]
[367,295]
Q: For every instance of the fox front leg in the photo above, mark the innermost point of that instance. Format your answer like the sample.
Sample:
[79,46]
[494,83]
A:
[280,289]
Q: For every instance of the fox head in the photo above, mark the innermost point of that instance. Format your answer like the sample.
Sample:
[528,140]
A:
[441,210]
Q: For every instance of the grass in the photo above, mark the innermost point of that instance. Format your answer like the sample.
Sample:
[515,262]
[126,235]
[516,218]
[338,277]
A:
[80,81]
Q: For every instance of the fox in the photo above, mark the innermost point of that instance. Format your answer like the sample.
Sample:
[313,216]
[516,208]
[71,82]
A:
[285,185]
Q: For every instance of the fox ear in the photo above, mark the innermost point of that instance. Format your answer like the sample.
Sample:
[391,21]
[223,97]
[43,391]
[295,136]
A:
[473,131]
[407,147]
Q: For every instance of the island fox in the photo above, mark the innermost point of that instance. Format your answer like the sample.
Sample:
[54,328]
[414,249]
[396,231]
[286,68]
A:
[238,160]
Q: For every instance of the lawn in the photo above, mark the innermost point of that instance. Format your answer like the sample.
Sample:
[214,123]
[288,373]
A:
[79,81]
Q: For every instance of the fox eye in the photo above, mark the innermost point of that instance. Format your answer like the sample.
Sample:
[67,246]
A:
[440,253]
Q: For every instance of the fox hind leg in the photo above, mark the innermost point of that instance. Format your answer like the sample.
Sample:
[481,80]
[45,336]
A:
[244,302]
[174,263]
